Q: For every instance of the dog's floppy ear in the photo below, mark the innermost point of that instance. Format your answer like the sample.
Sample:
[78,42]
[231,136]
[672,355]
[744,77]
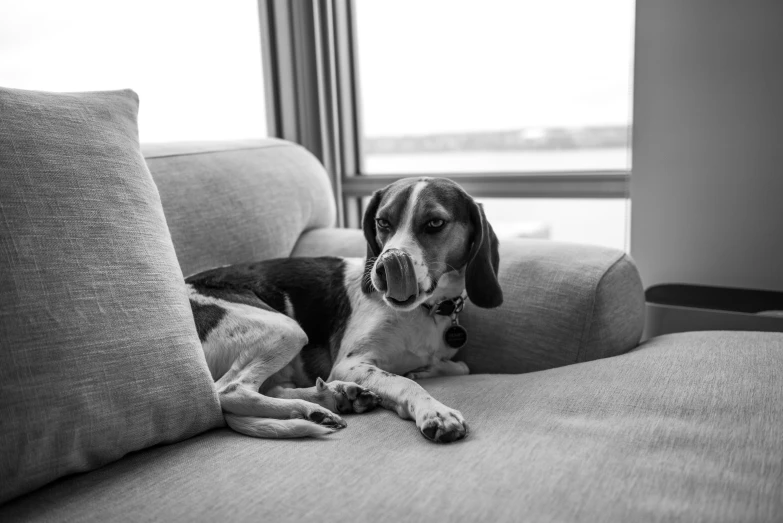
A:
[481,274]
[373,249]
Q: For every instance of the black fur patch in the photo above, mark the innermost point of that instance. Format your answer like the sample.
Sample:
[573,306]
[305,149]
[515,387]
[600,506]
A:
[207,317]
[317,361]
[315,287]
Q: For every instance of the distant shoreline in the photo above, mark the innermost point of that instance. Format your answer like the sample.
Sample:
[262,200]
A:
[519,140]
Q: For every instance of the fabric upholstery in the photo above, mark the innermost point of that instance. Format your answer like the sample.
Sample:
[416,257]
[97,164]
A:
[235,202]
[349,243]
[684,428]
[99,355]
[563,303]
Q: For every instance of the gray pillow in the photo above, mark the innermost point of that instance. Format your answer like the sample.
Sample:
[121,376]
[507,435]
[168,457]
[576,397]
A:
[99,355]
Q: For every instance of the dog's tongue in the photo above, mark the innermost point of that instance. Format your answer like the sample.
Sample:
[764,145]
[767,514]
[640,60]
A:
[400,277]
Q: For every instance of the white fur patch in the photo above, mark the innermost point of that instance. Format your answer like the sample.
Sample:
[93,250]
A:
[289,307]
[410,211]
[367,314]
[237,335]
[397,341]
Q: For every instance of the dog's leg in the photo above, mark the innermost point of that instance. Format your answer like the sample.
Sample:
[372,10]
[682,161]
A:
[408,399]
[441,368]
[337,396]
[261,342]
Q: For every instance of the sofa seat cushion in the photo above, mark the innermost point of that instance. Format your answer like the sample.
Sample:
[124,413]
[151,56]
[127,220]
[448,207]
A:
[686,427]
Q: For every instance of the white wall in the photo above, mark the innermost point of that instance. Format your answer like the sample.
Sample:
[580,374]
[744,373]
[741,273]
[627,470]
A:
[707,183]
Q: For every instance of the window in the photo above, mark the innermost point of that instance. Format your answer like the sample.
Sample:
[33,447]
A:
[578,220]
[500,89]
[495,86]
[195,64]
[527,104]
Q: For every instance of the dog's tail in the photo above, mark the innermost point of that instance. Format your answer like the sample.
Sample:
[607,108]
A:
[275,428]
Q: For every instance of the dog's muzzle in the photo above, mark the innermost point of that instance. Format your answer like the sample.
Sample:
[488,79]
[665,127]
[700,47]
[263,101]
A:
[396,273]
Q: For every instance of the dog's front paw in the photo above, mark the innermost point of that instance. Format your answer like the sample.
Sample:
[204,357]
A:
[349,397]
[442,424]
[318,415]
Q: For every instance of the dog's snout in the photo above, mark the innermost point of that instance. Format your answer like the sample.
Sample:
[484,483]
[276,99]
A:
[395,275]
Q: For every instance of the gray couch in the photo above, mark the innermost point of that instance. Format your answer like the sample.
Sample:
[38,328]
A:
[570,419]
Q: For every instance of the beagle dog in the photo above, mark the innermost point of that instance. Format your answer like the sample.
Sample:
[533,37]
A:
[292,343]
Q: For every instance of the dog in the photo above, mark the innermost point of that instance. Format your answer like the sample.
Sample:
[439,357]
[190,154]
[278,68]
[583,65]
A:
[292,343]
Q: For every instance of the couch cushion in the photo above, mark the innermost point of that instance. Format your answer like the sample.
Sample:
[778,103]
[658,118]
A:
[240,201]
[99,355]
[685,428]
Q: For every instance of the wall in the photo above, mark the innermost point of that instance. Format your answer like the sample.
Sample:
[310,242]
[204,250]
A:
[707,183]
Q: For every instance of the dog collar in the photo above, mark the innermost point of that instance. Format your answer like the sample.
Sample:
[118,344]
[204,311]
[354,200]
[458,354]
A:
[454,336]
[446,307]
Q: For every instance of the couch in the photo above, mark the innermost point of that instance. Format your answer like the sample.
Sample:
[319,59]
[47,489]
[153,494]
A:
[571,419]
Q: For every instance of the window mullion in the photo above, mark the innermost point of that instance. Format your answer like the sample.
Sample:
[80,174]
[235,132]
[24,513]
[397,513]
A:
[513,185]
[299,62]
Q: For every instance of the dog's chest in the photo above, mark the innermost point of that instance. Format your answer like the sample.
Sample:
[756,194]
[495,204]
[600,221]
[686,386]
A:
[400,342]
[396,341]
[423,338]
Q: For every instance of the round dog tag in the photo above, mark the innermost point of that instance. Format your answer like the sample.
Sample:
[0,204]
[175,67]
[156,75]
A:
[455,336]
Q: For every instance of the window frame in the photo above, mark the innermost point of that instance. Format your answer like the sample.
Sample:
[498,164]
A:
[313,98]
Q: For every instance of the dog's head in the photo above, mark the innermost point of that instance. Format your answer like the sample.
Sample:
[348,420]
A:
[427,240]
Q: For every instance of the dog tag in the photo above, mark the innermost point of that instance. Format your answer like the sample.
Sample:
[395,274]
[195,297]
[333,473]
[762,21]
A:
[455,336]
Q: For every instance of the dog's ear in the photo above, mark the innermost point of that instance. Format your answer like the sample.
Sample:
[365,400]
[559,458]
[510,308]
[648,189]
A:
[481,274]
[368,224]
[373,249]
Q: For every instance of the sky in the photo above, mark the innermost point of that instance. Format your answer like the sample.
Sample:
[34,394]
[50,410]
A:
[425,65]
[466,65]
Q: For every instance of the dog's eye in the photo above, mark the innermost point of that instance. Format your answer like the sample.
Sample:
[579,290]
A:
[435,225]
[382,224]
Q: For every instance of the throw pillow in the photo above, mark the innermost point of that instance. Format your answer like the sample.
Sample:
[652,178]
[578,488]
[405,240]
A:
[99,354]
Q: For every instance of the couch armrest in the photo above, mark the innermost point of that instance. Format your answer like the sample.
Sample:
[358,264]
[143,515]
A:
[563,303]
